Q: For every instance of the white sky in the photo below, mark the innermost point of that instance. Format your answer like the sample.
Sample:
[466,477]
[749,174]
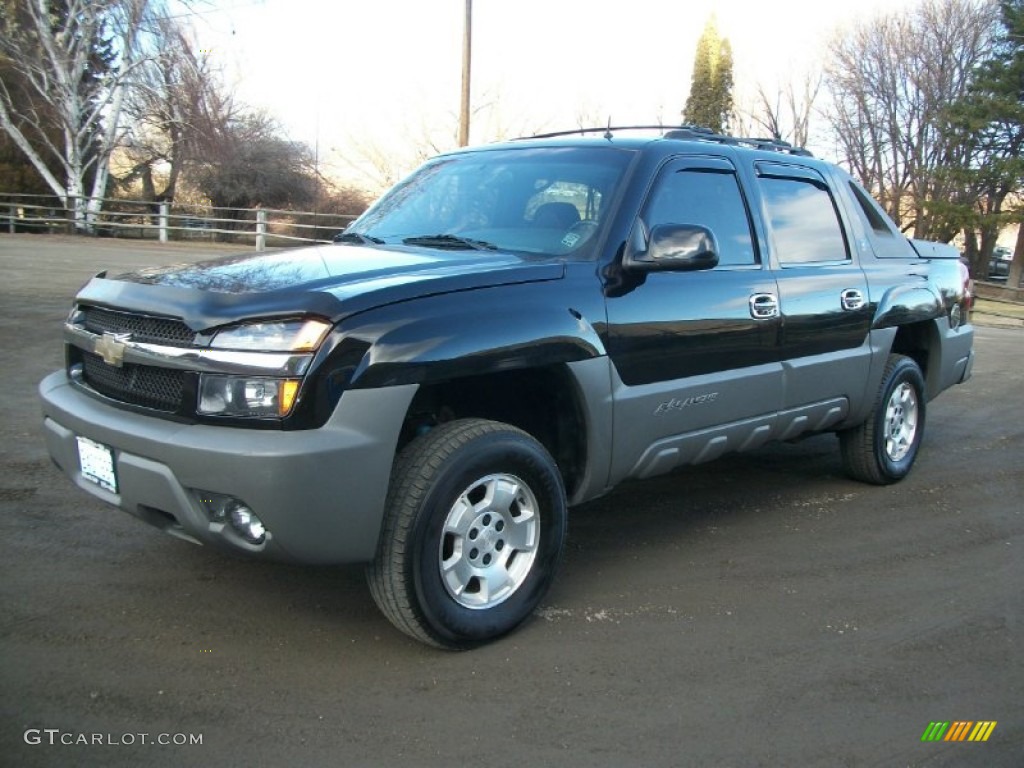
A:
[350,76]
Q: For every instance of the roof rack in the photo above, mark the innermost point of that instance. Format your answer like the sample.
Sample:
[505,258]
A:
[691,132]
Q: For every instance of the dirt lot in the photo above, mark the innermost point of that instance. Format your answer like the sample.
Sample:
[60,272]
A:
[759,611]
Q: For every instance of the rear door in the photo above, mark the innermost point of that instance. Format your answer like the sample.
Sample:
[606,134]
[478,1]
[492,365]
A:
[826,313]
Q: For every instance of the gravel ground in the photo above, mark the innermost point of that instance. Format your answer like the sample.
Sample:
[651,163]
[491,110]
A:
[759,611]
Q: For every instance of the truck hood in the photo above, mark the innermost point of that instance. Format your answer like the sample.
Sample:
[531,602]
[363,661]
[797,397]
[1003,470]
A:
[332,281]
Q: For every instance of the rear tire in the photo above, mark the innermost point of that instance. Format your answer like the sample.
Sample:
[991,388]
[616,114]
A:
[473,532]
[882,449]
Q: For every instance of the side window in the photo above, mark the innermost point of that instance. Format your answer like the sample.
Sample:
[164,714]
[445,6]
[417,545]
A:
[873,215]
[887,242]
[805,224]
[710,198]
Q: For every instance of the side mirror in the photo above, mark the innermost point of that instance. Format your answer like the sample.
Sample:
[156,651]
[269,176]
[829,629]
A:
[678,247]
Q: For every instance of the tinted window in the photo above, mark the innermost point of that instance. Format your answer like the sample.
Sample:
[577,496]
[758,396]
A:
[884,237]
[872,213]
[804,222]
[710,198]
[805,225]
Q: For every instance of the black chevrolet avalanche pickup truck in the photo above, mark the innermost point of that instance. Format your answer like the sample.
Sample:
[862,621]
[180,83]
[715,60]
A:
[512,330]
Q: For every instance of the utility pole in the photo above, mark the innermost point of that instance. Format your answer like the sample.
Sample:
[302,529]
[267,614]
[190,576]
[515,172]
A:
[467,46]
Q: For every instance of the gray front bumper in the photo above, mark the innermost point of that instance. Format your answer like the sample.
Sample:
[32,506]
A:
[320,493]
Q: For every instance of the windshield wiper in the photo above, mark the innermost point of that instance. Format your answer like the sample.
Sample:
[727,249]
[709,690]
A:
[450,241]
[357,237]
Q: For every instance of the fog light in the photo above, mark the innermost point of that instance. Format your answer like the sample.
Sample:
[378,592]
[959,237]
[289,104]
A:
[245,522]
[228,510]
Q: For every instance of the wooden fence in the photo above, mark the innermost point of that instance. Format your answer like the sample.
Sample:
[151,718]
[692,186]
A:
[264,227]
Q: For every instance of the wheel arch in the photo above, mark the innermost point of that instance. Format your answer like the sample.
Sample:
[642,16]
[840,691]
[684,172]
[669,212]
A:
[922,343]
[506,356]
[545,402]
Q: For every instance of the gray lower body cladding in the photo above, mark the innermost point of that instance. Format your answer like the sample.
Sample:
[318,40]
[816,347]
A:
[955,357]
[320,493]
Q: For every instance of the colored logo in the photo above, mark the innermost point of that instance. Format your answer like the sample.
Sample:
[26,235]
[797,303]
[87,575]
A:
[959,730]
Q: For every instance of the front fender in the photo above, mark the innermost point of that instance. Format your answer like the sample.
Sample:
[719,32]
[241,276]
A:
[426,343]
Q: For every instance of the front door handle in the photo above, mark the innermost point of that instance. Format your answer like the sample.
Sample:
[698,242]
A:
[852,299]
[764,306]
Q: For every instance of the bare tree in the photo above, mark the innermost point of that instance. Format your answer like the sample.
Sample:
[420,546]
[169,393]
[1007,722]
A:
[175,100]
[381,161]
[590,115]
[787,115]
[69,109]
[247,163]
[891,79]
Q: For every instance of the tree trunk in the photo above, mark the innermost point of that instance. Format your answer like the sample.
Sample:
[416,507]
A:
[1017,265]
[979,270]
[22,142]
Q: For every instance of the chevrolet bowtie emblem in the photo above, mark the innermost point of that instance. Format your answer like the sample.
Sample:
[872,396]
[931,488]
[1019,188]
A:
[111,346]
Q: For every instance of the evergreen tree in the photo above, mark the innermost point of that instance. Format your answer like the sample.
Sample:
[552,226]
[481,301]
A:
[989,120]
[710,101]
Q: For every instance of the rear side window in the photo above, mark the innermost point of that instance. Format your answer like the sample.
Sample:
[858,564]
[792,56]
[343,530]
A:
[873,215]
[887,242]
[804,221]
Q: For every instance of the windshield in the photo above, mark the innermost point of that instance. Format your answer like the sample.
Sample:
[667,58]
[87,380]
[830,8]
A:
[547,201]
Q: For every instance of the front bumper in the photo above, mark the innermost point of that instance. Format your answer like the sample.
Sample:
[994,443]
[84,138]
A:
[320,493]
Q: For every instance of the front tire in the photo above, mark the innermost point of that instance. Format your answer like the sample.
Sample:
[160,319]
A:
[473,532]
[882,449]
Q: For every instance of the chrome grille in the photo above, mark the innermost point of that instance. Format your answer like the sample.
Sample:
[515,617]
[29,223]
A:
[159,388]
[143,328]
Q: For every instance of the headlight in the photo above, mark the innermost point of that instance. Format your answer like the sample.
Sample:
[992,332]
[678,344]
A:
[246,396]
[270,393]
[273,336]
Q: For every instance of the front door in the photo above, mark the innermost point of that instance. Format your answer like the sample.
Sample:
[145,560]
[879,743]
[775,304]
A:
[694,351]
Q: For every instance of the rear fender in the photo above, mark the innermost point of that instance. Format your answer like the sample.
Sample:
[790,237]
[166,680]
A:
[905,304]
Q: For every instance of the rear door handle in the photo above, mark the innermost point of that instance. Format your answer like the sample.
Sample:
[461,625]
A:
[852,299]
[764,306]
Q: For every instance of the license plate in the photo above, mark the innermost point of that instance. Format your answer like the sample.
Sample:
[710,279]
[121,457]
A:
[97,462]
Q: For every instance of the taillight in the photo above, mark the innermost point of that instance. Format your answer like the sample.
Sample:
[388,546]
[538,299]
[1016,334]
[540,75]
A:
[965,277]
